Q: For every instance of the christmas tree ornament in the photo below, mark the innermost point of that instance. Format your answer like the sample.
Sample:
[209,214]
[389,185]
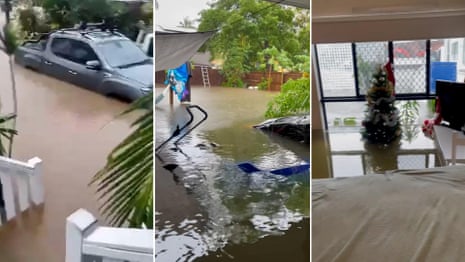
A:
[381,124]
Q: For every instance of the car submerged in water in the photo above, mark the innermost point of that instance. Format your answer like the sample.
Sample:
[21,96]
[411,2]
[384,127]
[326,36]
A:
[294,127]
[96,58]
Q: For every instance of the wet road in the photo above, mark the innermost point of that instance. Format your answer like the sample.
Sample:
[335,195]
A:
[72,130]
[209,210]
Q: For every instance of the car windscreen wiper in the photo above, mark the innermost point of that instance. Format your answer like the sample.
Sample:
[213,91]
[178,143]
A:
[145,61]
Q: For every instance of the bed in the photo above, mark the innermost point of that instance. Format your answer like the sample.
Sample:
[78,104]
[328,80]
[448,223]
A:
[416,215]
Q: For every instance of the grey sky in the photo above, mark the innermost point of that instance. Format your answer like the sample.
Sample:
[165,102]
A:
[171,12]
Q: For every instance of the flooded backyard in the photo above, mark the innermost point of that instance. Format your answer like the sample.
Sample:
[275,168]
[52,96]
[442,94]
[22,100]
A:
[72,130]
[207,209]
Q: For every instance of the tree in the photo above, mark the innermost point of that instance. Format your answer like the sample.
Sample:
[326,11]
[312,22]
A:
[126,181]
[187,23]
[302,21]
[293,99]
[249,27]
[31,20]
[381,124]
[9,45]
[125,15]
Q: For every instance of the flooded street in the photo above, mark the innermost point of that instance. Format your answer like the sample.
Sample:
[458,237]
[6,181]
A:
[207,208]
[72,130]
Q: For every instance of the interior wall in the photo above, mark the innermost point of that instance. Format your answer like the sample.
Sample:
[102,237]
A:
[317,117]
[364,7]
[369,29]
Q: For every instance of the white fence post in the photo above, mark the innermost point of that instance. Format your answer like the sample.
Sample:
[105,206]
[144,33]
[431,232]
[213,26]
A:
[35,181]
[76,226]
[8,196]
[21,184]
[85,239]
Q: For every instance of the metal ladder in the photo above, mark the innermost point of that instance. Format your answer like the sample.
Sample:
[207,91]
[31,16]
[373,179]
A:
[205,77]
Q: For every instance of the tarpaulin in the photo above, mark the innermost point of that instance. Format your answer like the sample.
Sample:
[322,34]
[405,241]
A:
[177,78]
[174,48]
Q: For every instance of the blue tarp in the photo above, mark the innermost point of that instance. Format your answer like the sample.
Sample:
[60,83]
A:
[442,71]
[177,78]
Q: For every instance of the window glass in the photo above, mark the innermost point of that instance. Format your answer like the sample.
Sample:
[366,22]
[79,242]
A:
[62,47]
[150,51]
[82,53]
[73,50]
[410,66]
[336,69]
[445,62]
[370,55]
[121,53]
[455,51]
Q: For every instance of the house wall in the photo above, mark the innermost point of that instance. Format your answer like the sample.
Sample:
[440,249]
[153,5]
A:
[317,117]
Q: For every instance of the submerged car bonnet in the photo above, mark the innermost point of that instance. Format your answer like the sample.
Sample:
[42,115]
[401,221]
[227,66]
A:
[142,74]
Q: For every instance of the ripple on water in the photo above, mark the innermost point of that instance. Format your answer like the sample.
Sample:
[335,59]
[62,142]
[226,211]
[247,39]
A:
[240,208]
[236,208]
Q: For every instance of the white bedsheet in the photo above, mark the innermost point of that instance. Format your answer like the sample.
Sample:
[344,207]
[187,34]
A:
[403,216]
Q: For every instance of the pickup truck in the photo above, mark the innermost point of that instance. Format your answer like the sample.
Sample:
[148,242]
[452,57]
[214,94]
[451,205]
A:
[104,61]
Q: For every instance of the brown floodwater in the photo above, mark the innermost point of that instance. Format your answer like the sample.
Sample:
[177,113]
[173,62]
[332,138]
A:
[209,210]
[72,130]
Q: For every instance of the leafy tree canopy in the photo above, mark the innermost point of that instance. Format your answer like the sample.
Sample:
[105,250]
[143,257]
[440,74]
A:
[125,15]
[247,27]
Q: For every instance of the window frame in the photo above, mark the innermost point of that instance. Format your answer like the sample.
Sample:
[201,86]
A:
[359,97]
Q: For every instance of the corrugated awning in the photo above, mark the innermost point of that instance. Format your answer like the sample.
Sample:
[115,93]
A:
[297,3]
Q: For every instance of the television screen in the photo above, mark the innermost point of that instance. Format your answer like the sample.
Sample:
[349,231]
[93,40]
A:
[451,97]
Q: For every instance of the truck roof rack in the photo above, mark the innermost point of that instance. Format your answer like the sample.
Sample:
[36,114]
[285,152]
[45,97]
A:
[85,28]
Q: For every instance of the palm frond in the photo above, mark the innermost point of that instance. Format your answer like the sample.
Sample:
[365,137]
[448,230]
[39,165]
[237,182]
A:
[6,132]
[9,40]
[125,184]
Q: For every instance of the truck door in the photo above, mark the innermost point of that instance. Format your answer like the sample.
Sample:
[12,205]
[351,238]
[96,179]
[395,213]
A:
[67,61]
[80,74]
[58,50]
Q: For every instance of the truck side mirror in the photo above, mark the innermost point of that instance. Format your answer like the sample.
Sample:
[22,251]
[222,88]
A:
[93,65]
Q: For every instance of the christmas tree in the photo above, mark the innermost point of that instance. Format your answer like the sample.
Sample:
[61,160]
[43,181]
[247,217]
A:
[381,124]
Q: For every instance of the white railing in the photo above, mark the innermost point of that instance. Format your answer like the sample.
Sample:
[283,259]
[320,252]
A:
[86,240]
[21,184]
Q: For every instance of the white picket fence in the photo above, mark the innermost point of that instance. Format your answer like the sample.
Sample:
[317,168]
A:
[88,242]
[85,240]
[22,185]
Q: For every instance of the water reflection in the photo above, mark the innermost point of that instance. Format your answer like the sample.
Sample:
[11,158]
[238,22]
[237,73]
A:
[343,154]
[231,208]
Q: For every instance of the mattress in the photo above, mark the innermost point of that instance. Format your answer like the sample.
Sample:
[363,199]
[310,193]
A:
[416,215]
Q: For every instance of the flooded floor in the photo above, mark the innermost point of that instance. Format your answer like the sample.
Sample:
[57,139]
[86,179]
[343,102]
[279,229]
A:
[209,210]
[72,130]
[340,151]
[343,154]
